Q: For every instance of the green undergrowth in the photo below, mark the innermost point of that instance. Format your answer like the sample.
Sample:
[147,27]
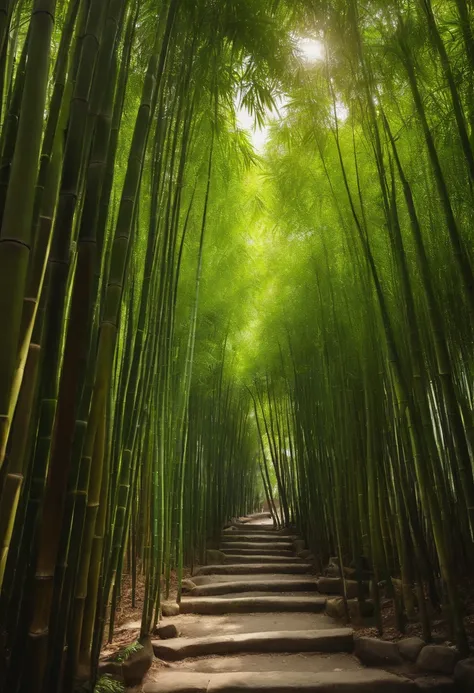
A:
[127,652]
[107,684]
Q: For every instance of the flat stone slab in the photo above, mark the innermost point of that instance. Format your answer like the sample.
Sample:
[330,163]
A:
[334,640]
[263,593]
[263,549]
[243,558]
[262,526]
[267,538]
[250,543]
[278,553]
[262,585]
[198,626]
[264,515]
[299,661]
[222,605]
[249,577]
[236,568]
[363,681]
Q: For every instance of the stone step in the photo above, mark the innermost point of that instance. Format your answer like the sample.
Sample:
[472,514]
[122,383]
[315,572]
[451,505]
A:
[254,526]
[272,558]
[258,538]
[334,640]
[216,605]
[314,662]
[270,525]
[260,549]
[231,551]
[240,568]
[249,576]
[198,626]
[264,593]
[257,527]
[255,517]
[299,585]
[362,681]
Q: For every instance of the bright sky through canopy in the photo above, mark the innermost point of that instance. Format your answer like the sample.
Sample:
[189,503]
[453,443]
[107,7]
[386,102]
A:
[311,50]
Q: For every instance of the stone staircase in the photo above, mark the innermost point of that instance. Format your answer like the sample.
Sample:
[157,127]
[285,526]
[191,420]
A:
[256,622]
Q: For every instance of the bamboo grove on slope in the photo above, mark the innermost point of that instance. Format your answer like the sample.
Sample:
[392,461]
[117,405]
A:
[365,401]
[115,126]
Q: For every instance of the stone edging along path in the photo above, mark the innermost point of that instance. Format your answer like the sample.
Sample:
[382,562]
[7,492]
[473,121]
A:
[447,671]
[298,646]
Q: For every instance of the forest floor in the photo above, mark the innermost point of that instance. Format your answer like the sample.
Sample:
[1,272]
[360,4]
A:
[440,626]
[128,614]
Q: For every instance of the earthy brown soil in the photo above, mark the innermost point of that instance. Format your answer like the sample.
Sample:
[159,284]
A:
[440,626]
[128,616]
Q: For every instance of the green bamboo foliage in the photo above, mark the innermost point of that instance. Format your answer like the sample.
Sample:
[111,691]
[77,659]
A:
[379,408]
[189,329]
[97,365]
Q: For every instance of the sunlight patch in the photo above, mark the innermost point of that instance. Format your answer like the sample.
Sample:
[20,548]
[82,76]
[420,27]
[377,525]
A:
[311,50]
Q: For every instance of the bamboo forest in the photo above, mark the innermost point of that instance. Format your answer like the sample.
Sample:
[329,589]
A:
[236,277]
